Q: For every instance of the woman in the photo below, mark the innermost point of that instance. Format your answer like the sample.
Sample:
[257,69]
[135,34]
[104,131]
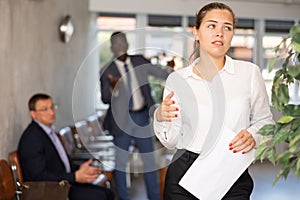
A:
[213,92]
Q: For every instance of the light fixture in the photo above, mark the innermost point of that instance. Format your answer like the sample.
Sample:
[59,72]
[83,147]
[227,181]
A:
[66,29]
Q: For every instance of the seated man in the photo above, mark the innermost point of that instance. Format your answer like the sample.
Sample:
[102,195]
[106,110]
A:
[43,157]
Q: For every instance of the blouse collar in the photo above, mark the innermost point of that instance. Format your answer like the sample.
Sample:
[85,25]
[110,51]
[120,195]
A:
[228,67]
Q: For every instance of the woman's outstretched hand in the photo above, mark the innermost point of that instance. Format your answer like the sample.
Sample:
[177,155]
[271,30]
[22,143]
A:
[167,111]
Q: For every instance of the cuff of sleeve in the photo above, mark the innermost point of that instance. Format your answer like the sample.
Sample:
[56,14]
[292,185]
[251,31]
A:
[257,137]
[158,125]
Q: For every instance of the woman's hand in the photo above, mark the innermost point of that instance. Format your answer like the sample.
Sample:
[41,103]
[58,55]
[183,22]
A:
[243,141]
[167,111]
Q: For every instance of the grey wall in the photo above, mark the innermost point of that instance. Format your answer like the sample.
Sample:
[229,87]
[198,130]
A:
[33,59]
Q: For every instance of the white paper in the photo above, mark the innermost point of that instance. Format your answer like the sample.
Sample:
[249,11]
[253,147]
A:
[210,177]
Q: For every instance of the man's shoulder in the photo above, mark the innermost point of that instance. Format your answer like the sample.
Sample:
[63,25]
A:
[138,57]
[30,136]
[32,125]
[107,67]
[31,129]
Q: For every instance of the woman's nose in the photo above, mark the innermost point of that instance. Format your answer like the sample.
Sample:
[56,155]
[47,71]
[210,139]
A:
[219,32]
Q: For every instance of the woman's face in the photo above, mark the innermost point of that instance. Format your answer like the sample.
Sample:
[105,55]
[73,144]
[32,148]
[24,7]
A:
[215,32]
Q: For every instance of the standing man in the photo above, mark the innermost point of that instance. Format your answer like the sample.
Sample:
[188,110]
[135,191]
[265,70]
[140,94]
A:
[125,87]
[43,157]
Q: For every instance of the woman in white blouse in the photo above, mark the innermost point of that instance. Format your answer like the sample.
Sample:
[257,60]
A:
[213,94]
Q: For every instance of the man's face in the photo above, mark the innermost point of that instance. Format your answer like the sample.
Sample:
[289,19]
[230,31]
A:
[119,46]
[44,112]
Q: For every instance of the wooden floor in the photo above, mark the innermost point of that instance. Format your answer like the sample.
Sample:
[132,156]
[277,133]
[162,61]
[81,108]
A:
[263,175]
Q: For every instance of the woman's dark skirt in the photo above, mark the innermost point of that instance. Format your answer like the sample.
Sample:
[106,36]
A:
[182,160]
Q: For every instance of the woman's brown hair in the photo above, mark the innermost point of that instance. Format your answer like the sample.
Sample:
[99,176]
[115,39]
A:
[198,20]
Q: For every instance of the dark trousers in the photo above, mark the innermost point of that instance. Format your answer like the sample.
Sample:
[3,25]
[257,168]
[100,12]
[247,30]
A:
[142,135]
[240,190]
[80,191]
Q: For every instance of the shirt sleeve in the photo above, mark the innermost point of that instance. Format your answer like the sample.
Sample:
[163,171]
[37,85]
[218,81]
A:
[260,109]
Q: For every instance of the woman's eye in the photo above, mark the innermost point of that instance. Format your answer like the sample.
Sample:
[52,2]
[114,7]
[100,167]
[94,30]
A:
[227,28]
[211,26]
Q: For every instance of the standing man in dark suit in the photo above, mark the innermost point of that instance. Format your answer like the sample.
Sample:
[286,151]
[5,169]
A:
[125,87]
[43,157]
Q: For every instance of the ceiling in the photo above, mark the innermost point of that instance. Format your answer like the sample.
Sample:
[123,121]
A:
[273,1]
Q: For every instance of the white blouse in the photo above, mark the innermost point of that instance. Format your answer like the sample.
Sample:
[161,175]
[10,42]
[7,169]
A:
[235,98]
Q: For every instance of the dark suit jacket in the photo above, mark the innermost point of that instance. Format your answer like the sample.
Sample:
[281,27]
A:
[39,158]
[40,161]
[117,114]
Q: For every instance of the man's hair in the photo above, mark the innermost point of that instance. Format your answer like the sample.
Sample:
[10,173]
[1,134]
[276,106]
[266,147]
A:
[35,98]
[117,34]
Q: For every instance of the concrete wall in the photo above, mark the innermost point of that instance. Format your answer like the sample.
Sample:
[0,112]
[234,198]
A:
[33,59]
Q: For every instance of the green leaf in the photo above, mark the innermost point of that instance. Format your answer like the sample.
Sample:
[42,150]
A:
[293,71]
[283,173]
[261,150]
[277,76]
[295,43]
[275,101]
[293,148]
[272,155]
[287,59]
[283,93]
[295,140]
[297,66]
[298,168]
[293,134]
[278,127]
[285,119]
[271,63]
[294,29]
[284,158]
[281,136]
[267,130]
[293,110]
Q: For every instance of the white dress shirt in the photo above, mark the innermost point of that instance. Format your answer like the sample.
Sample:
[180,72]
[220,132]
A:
[138,100]
[58,145]
[239,102]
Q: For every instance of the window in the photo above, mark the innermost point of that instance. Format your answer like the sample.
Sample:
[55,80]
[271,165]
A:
[242,45]
[278,26]
[164,21]
[107,24]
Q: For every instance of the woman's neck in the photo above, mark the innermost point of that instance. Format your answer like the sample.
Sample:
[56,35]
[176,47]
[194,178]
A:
[218,62]
[208,67]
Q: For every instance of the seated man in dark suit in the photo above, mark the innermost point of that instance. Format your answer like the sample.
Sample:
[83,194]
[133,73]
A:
[43,157]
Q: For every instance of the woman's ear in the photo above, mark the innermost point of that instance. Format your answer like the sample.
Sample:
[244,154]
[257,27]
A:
[195,32]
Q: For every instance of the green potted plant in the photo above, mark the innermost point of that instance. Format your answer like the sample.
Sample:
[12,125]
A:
[287,127]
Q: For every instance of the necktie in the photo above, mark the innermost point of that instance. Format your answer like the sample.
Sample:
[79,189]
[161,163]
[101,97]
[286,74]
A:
[61,151]
[129,86]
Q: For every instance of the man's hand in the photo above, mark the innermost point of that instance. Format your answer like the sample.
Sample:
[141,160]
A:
[113,81]
[87,173]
